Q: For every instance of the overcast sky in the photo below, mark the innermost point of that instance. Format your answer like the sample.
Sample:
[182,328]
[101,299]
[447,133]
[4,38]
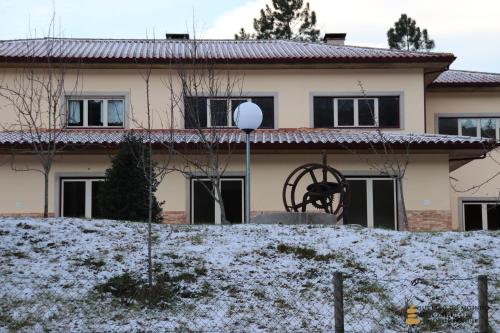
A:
[469,29]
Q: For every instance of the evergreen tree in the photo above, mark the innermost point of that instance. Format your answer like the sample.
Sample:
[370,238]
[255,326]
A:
[406,35]
[288,19]
[124,193]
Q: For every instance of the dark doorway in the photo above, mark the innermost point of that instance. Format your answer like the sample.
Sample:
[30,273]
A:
[74,198]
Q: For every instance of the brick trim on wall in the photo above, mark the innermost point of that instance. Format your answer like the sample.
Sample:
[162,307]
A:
[429,220]
[174,217]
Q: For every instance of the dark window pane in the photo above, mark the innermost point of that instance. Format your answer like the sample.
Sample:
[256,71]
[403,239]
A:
[473,217]
[493,216]
[323,112]
[74,199]
[388,111]
[488,128]
[266,104]
[366,112]
[469,127]
[234,105]
[203,202]
[195,112]
[75,113]
[218,112]
[448,126]
[233,199]
[345,112]
[95,113]
[383,204]
[97,208]
[115,112]
[357,211]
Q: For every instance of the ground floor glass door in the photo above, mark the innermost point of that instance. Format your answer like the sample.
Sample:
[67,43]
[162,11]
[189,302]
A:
[372,202]
[80,198]
[204,208]
[481,215]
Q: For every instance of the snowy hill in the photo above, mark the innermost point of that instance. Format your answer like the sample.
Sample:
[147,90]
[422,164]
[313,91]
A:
[223,278]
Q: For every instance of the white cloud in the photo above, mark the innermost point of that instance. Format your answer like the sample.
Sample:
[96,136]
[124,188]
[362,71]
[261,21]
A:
[466,28]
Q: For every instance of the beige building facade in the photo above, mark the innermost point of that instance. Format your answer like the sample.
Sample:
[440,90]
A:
[362,107]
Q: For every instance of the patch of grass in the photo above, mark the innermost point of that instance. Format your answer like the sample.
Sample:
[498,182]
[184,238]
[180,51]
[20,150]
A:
[201,271]
[352,263]
[302,253]
[118,257]
[484,261]
[17,254]
[88,231]
[132,290]
[281,304]
[299,252]
[25,226]
[260,294]
[93,263]
[196,239]
[4,232]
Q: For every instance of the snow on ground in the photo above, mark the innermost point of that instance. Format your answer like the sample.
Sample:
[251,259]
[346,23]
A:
[241,278]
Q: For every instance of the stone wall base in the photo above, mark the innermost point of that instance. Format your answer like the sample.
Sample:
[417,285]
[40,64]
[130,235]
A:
[429,220]
[17,215]
[418,220]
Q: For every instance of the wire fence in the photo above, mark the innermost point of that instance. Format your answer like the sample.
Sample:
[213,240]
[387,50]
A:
[201,303]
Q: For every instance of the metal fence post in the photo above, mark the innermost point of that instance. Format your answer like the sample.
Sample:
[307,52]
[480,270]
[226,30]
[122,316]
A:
[338,301]
[482,284]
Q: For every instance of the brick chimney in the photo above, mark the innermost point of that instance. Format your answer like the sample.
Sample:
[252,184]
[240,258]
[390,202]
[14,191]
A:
[334,38]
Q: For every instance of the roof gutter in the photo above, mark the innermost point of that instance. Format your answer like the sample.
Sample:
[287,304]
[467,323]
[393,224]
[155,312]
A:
[482,157]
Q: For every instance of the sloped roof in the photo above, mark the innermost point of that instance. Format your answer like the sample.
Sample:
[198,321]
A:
[221,51]
[286,138]
[460,78]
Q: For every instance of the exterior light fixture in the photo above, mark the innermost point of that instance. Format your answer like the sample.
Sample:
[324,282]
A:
[248,117]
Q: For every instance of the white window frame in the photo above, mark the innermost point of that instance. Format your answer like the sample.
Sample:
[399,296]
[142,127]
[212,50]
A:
[86,111]
[484,211]
[217,214]
[88,193]
[229,103]
[356,111]
[478,124]
[369,199]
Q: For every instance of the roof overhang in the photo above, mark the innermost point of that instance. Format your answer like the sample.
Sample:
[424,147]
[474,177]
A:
[459,149]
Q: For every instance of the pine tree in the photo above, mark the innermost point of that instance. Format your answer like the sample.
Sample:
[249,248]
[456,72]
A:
[406,35]
[288,19]
[124,192]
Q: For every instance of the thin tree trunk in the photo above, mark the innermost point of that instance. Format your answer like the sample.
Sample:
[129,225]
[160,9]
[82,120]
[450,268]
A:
[150,212]
[402,203]
[46,193]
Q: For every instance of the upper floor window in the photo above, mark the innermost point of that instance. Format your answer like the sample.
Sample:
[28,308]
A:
[372,111]
[478,127]
[203,112]
[96,112]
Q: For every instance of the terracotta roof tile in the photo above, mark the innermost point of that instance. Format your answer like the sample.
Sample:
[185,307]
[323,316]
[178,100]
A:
[459,78]
[254,51]
[303,136]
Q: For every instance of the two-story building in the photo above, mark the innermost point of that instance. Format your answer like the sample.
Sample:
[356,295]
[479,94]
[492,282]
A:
[358,104]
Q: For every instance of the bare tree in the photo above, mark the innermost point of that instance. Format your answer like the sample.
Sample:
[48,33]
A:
[154,172]
[188,87]
[36,93]
[388,160]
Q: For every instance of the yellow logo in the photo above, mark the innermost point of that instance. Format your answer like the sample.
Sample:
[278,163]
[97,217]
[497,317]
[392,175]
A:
[411,316]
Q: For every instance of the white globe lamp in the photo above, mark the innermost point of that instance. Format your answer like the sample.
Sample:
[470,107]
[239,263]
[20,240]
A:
[248,117]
